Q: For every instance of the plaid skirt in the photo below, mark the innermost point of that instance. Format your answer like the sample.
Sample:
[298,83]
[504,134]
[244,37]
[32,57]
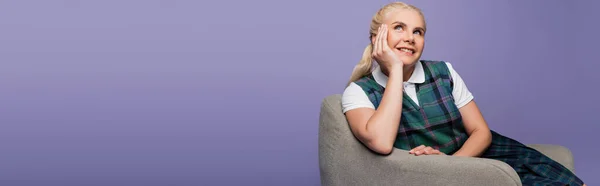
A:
[533,167]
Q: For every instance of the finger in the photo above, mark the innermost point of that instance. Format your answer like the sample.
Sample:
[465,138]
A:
[420,149]
[428,150]
[423,151]
[384,42]
[417,148]
[376,43]
[438,152]
[381,40]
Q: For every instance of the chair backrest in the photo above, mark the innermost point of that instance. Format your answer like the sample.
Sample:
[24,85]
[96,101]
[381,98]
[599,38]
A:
[341,155]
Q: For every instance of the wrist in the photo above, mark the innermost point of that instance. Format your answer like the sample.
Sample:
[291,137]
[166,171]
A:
[396,69]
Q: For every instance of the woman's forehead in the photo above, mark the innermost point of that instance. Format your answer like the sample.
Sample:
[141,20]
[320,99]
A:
[406,16]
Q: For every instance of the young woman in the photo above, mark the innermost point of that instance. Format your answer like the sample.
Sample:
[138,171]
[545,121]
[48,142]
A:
[424,107]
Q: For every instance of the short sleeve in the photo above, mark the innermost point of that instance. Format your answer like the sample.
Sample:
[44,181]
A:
[354,97]
[462,95]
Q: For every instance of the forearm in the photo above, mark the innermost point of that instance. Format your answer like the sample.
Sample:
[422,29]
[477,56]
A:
[383,125]
[476,144]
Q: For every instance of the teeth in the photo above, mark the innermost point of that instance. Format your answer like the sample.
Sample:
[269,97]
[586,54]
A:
[406,50]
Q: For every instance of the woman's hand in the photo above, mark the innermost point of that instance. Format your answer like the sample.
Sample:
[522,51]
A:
[425,150]
[382,51]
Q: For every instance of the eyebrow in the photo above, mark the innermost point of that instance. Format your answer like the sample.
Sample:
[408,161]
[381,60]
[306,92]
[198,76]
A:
[401,23]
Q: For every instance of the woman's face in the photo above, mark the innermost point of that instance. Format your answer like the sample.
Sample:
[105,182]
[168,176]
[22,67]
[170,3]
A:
[406,34]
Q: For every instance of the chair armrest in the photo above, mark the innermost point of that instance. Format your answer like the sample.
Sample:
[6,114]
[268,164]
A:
[401,168]
[443,170]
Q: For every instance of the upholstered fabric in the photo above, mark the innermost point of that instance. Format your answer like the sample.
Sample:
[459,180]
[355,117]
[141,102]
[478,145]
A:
[343,160]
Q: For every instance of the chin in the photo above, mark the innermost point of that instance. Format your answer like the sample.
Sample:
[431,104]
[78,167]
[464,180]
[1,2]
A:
[409,60]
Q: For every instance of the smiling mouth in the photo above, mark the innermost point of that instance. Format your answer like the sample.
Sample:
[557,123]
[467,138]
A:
[406,50]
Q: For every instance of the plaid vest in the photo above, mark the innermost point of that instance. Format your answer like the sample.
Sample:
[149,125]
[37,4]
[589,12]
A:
[436,121]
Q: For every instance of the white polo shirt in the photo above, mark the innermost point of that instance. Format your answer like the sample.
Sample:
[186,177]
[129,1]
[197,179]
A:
[354,96]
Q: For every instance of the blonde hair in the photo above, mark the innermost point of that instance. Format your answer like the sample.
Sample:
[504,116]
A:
[365,65]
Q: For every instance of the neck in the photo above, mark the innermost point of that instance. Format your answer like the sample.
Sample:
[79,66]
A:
[407,71]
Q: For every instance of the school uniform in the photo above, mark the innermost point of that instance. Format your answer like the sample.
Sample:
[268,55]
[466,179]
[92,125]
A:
[430,116]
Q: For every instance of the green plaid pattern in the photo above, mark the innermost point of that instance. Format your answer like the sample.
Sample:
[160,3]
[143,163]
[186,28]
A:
[533,167]
[437,122]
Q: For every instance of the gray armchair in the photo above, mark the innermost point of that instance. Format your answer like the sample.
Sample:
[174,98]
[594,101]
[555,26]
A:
[344,161]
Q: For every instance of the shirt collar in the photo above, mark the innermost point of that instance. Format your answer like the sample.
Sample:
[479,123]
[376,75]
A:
[418,75]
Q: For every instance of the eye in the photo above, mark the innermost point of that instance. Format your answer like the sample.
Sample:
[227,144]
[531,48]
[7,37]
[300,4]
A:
[419,32]
[398,27]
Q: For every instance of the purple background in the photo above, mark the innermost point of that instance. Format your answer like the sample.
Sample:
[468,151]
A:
[178,92]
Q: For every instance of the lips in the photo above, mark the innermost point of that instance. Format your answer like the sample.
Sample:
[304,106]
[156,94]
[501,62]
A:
[406,50]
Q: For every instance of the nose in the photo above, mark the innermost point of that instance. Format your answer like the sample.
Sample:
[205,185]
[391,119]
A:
[408,37]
